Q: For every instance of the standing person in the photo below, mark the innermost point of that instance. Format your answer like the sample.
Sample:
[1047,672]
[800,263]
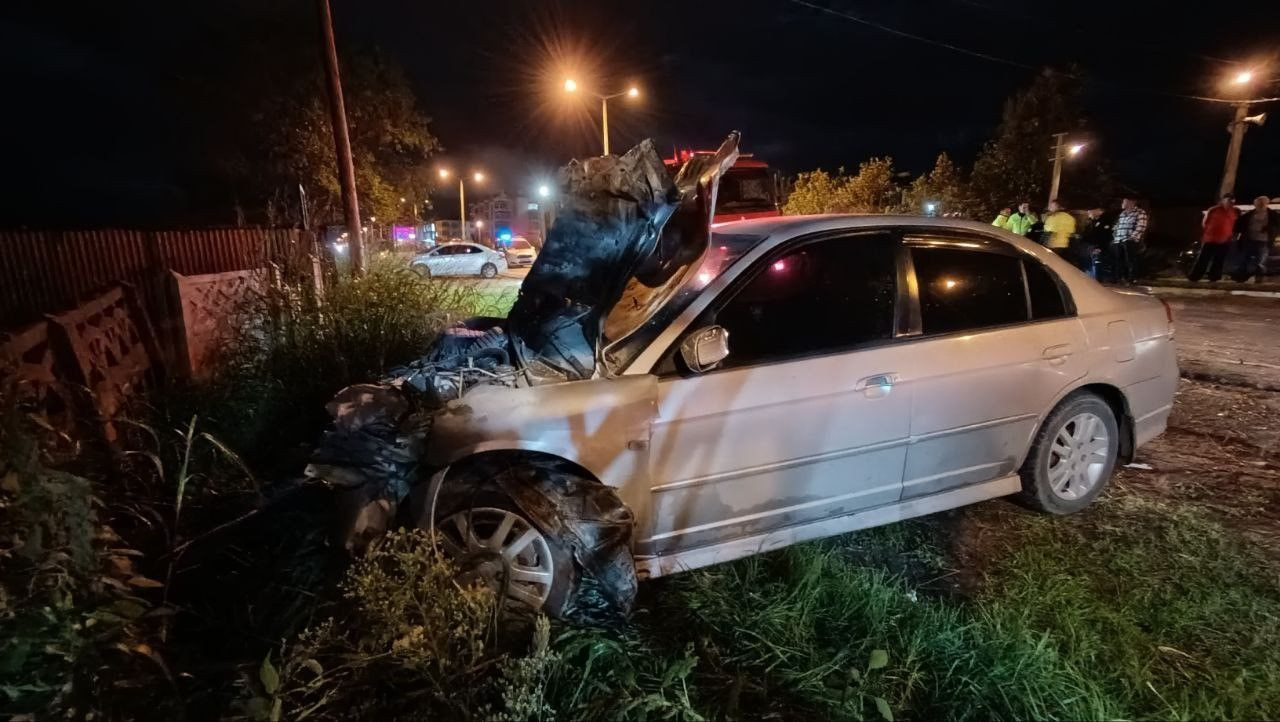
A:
[1126,237]
[1059,227]
[1215,240]
[1256,230]
[1095,238]
[1019,222]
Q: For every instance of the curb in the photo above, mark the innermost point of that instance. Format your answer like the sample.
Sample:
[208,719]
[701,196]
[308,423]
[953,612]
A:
[1181,291]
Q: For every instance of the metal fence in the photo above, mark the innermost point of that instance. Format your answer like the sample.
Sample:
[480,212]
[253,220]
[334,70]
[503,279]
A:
[45,271]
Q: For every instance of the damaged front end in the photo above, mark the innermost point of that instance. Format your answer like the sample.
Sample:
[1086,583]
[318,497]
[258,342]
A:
[625,236]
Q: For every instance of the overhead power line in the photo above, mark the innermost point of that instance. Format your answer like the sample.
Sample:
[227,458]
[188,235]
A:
[1017,63]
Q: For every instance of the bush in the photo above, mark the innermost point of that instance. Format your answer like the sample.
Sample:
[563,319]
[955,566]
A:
[412,643]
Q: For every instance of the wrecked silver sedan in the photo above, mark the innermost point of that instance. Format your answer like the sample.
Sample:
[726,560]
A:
[666,395]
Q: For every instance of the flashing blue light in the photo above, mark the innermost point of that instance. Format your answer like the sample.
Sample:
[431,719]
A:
[505,235]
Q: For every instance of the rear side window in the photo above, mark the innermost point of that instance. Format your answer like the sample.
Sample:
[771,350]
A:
[1045,291]
[962,290]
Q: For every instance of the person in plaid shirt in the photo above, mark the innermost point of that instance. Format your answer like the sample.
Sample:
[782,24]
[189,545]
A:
[1127,234]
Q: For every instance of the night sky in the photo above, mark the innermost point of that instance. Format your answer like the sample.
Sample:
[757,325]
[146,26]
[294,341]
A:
[96,133]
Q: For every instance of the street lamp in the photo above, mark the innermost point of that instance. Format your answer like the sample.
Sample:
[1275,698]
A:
[1238,125]
[1060,150]
[462,199]
[571,86]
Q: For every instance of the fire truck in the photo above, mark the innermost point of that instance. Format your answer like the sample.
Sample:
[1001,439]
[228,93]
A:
[748,190]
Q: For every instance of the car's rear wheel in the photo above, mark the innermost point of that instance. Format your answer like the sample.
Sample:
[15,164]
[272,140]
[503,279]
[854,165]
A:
[1073,456]
[488,270]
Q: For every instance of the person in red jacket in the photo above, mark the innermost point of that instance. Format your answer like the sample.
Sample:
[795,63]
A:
[1219,226]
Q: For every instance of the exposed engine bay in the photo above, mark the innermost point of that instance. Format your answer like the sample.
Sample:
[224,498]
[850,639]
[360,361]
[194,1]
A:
[626,233]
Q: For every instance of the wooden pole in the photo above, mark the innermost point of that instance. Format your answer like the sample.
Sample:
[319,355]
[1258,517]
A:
[341,138]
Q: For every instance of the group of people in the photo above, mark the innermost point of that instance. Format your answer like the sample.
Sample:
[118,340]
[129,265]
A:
[1250,235]
[1116,241]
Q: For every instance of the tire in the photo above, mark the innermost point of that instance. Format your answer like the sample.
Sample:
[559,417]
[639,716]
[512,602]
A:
[544,554]
[583,529]
[1072,457]
[488,270]
[422,270]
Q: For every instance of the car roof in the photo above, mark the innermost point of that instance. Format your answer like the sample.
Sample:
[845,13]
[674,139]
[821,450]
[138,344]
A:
[776,229]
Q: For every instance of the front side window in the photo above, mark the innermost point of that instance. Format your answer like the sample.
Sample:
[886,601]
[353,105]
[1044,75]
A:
[961,290]
[821,297]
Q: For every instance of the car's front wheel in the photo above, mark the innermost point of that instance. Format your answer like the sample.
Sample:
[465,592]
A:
[538,533]
[421,269]
[488,270]
[1073,456]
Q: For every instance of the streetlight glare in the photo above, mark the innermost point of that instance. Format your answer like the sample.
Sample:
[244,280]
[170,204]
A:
[479,176]
[570,85]
[544,191]
[444,173]
[1244,76]
[479,224]
[1075,149]
[634,92]
[402,199]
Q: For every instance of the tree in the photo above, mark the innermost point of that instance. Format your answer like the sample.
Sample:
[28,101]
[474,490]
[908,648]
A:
[870,191]
[1015,165]
[944,185]
[390,141]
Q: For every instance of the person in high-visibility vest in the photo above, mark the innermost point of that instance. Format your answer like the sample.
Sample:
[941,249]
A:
[1059,226]
[1019,222]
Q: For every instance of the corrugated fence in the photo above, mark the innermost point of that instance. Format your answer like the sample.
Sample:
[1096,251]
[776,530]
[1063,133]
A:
[46,271]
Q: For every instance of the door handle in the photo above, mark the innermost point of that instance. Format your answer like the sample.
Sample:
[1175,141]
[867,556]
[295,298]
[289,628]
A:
[1057,355]
[877,385]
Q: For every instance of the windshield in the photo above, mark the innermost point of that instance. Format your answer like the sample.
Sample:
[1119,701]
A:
[725,249]
[744,190]
[520,245]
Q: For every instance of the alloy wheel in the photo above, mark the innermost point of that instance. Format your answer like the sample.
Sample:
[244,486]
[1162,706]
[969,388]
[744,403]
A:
[508,548]
[1079,455]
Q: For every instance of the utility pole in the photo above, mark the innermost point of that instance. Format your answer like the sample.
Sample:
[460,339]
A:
[1058,147]
[1237,129]
[341,138]
[462,208]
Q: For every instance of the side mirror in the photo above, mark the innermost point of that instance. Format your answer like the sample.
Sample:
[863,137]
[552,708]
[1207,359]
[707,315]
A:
[705,348]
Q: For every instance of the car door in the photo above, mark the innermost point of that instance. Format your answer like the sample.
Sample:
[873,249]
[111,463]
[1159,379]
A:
[999,342]
[804,421]
[440,261]
[469,259]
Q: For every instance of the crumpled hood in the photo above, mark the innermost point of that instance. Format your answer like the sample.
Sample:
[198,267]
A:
[625,231]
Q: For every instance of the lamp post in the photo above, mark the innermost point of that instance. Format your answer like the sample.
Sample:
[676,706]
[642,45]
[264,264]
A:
[1061,150]
[571,86]
[462,198]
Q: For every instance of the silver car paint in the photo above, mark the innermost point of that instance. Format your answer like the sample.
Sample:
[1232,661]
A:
[469,264]
[734,462]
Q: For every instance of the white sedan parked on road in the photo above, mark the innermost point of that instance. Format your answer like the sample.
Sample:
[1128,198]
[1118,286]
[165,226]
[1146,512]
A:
[460,259]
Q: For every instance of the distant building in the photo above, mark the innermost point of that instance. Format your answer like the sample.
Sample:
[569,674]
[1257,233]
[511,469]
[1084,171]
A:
[520,215]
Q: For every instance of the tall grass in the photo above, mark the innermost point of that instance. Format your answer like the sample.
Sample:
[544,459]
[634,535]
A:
[292,352]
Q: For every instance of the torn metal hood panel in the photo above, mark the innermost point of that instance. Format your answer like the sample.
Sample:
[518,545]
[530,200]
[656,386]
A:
[626,234]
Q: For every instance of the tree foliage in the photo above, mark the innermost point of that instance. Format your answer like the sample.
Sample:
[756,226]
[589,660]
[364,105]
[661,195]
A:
[944,185]
[1015,165]
[872,190]
[390,142]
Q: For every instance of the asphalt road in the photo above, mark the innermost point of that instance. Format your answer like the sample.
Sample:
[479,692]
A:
[1228,339]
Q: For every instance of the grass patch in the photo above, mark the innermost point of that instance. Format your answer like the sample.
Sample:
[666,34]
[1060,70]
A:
[1132,610]
[1177,616]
